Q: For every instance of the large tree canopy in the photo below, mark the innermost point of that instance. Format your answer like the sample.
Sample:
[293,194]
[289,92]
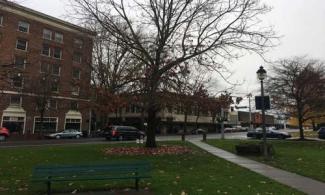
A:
[162,34]
[297,86]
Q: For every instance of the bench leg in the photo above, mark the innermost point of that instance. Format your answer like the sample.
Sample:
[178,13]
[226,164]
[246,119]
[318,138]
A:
[137,184]
[48,187]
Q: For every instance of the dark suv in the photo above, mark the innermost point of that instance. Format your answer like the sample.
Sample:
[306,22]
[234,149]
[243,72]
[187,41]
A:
[321,133]
[123,133]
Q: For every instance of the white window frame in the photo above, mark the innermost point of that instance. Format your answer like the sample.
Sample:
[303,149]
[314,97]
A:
[60,52]
[49,54]
[79,59]
[77,105]
[78,43]
[25,61]
[47,69]
[50,33]
[57,122]
[20,101]
[57,89]
[22,82]
[1,20]
[75,92]
[49,105]
[21,24]
[58,37]
[26,45]
[53,65]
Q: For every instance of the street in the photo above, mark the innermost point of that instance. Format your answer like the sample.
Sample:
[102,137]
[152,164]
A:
[54,142]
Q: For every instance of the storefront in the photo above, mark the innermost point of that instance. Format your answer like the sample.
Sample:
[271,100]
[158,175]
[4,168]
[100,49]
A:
[14,119]
[73,120]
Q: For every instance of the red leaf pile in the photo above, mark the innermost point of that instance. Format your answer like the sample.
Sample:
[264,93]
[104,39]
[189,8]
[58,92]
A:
[134,151]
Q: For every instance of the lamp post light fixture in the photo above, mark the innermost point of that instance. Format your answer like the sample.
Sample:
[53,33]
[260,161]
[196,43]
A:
[261,75]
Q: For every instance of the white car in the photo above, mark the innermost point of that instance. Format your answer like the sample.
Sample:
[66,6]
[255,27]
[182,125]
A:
[68,133]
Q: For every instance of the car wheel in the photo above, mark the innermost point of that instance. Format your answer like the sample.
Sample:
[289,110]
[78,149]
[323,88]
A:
[57,137]
[282,137]
[120,138]
[77,136]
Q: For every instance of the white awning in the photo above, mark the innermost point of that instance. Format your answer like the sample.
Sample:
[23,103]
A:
[13,111]
[71,114]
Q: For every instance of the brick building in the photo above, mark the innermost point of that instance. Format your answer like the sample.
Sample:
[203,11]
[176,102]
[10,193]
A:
[45,65]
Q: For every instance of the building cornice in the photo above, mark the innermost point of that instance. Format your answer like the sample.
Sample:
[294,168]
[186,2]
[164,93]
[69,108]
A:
[43,18]
[34,95]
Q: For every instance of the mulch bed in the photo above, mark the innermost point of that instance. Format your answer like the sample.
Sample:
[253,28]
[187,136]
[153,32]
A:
[161,150]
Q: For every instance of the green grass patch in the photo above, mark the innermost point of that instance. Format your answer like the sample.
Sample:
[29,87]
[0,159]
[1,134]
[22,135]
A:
[302,157]
[197,173]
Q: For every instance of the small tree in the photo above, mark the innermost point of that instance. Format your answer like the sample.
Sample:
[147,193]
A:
[41,90]
[298,84]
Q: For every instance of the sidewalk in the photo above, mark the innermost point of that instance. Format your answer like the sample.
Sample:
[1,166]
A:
[301,183]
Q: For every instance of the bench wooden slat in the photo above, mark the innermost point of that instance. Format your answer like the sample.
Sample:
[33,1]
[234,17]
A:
[57,173]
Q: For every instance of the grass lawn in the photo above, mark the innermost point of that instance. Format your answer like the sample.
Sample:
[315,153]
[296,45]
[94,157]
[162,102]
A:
[302,157]
[197,173]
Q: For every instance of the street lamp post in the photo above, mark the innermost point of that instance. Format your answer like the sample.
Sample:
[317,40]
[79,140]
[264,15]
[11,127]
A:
[261,74]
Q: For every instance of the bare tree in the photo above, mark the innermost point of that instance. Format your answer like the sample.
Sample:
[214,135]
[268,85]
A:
[41,90]
[298,85]
[186,85]
[175,31]
[216,104]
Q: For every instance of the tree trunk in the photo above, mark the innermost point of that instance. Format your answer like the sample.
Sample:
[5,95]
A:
[152,124]
[300,123]
[185,126]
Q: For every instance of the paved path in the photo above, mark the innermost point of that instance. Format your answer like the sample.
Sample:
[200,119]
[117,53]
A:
[304,184]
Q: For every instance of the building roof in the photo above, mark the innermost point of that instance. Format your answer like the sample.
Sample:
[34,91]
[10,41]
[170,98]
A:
[9,6]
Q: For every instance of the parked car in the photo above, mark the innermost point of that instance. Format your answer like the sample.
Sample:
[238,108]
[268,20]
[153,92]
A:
[68,133]
[229,129]
[4,133]
[198,131]
[321,133]
[258,134]
[123,133]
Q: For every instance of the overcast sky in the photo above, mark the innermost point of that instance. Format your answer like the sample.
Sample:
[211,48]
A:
[299,22]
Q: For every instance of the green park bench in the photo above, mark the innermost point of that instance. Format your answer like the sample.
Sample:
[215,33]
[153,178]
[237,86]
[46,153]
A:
[113,171]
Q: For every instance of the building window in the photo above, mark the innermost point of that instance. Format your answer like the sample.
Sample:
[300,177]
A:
[46,50]
[15,100]
[71,123]
[77,57]
[56,69]
[44,68]
[17,81]
[75,90]
[76,73]
[57,53]
[49,124]
[78,43]
[74,105]
[55,87]
[47,34]
[1,20]
[52,104]
[23,26]
[58,37]
[22,44]
[20,62]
